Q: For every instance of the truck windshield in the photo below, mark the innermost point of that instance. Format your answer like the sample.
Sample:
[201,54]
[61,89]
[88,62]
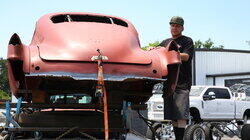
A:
[196,91]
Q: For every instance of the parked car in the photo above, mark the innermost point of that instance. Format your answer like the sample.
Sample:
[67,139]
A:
[60,59]
[89,63]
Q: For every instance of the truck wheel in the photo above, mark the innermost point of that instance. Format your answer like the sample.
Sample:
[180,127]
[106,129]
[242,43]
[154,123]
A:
[246,119]
[6,137]
[210,134]
[158,131]
[162,131]
[194,132]
[10,136]
[245,135]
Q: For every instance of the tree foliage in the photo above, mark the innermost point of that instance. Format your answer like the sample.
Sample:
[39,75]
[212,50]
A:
[208,44]
[154,44]
[4,82]
[4,95]
[198,44]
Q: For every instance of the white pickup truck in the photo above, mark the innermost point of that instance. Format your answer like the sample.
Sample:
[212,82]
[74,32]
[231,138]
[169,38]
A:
[215,106]
[207,103]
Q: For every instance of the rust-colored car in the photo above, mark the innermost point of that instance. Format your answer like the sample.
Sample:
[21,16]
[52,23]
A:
[58,59]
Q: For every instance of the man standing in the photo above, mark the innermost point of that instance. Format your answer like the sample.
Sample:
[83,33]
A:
[176,106]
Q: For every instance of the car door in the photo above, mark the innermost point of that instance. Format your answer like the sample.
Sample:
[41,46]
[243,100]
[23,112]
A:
[210,106]
[226,109]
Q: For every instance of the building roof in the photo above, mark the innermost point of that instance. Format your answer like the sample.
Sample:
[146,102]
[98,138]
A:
[223,50]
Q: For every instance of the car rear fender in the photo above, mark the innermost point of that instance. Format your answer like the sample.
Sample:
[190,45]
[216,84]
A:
[18,63]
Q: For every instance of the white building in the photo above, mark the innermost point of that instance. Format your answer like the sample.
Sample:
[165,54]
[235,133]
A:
[221,67]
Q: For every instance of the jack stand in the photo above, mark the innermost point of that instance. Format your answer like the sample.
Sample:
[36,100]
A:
[9,117]
[150,123]
[126,113]
[101,91]
[10,120]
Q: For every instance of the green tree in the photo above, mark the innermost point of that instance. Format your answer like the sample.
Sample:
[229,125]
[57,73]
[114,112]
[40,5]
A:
[4,95]
[220,47]
[154,44]
[4,82]
[208,44]
[198,44]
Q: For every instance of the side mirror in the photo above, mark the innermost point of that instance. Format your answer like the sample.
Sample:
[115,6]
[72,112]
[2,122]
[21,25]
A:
[210,96]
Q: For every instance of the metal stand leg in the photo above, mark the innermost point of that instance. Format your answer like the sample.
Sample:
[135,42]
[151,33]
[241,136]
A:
[10,120]
[9,117]
[149,123]
[126,113]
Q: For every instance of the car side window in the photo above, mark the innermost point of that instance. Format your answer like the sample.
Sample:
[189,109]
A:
[248,94]
[222,94]
[210,90]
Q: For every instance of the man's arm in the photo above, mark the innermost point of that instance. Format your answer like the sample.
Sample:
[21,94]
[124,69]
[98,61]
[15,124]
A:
[188,51]
[184,56]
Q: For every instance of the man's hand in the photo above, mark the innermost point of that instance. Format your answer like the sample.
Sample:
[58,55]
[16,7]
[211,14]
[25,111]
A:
[184,57]
[151,48]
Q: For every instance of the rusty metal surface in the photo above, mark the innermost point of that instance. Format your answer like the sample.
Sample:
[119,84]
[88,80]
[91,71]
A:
[64,50]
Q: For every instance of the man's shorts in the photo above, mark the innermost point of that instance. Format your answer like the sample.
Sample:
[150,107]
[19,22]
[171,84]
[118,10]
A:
[176,107]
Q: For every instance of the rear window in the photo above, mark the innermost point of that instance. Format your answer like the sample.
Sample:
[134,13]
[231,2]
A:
[196,91]
[119,22]
[247,91]
[222,94]
[88,18]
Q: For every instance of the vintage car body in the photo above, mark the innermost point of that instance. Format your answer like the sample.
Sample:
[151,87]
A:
[58,59]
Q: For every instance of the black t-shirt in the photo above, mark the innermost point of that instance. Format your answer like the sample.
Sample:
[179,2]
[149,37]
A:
[186,46]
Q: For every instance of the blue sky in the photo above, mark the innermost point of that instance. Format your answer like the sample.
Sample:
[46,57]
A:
[226,22]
